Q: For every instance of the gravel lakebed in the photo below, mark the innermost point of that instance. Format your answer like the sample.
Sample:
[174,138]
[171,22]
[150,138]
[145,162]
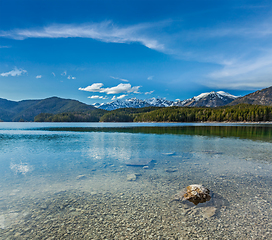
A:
[139,209]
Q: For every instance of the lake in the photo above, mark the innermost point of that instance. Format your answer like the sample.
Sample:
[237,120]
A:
[118,180]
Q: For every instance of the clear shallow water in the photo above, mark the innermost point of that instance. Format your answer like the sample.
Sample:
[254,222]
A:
[71,181]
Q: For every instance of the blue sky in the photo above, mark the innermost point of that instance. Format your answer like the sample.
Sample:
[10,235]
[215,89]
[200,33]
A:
[96,51]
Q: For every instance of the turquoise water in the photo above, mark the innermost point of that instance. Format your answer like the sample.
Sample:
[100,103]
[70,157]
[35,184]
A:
[42,166]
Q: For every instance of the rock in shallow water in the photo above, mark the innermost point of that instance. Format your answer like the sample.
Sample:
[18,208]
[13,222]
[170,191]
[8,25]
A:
[131,177]
[171,170]
[194,193]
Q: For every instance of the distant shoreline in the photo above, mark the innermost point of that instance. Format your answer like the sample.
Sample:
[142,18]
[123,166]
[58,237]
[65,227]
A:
[210,122]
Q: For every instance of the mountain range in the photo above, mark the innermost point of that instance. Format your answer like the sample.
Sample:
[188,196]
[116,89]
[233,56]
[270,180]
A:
[211,99]
[27,109]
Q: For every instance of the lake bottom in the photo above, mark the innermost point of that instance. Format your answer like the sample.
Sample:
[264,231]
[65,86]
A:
[103,204]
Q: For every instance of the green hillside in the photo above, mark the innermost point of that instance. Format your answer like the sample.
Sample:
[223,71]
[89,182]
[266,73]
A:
[26,110]
[241,112]
[237,113]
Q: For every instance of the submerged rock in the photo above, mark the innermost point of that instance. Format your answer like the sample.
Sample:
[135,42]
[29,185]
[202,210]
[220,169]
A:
[194,193]
[208,212]
[171,170]
[140,162]
[131,177]
[80,177]
[169,154]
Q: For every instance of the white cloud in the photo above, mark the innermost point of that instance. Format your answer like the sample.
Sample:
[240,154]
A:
[243,74]
[5,46]
[64,73]
[149,92]
[14,72]
[39,76]
[105,31]
[71,77]
[95,87]
[54,74]
[121,79]
[121,96]
[150,78]
[121,88]
[97,97]
[242,67]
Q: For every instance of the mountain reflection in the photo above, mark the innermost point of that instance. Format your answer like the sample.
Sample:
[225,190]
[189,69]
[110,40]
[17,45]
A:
[253,132]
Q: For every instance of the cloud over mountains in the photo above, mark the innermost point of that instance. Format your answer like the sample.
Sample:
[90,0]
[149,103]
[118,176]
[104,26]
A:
[120,88]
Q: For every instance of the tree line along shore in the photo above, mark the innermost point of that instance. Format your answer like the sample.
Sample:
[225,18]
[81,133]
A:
[237,113]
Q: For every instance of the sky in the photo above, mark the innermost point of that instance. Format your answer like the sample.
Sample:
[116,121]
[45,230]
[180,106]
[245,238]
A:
[99,51]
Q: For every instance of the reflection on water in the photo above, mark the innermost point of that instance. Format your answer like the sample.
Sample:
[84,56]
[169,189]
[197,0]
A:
[116,181]
[254,132]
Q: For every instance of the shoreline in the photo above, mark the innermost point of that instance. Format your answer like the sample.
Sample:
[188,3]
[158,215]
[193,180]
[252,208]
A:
[210,122]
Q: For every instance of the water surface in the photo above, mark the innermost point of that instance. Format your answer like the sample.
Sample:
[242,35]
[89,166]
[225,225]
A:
[71,180]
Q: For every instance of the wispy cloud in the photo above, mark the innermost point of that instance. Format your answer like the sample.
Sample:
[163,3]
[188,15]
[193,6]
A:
[71,77]
[14,72]
[105,31]
[243,74]
[146,93]
[119,97]
[54,74]
[39,76]
[121,88]
[97,97]
[239,50]
[121,79]
[5,46]
[64,73]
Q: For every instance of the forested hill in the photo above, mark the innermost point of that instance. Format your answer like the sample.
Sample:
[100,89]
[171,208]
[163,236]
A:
[26,110]
[240,113]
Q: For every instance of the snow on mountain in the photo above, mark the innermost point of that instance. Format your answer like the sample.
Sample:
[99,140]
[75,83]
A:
[220,94]
[126,103]
[211,99]
[159,102]
[226,94]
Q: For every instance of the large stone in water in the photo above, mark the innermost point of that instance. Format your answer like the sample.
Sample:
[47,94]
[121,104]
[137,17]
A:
[131,177]
[139,162]
[194,193]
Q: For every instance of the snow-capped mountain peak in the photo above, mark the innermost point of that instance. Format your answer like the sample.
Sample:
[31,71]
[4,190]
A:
[219,94]
[227,94]
[211,99]
[159,102]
